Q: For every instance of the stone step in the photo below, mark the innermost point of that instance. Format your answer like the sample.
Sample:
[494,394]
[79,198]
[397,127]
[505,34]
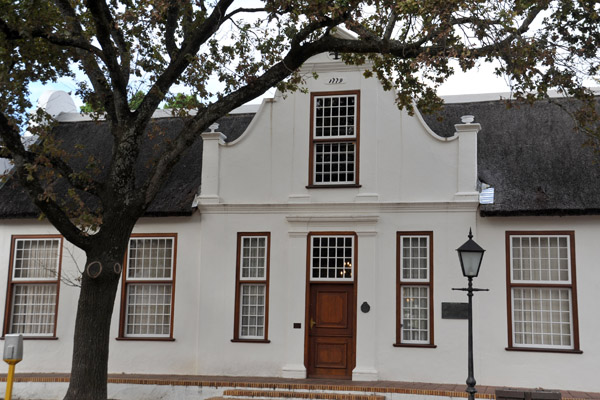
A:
[231,394]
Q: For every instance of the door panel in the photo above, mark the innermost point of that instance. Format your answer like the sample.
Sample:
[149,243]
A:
[331,331]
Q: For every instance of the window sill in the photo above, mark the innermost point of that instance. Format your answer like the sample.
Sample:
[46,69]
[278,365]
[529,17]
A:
[250,341]
[425,346]
[345,186]
[536,350]
[145,339]
[35,337]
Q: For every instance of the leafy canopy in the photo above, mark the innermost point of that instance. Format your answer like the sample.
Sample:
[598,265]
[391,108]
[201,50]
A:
[165,44]
[246,47]
[161,45]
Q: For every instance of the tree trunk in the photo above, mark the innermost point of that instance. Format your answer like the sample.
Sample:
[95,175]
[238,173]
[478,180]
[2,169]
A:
[89,370]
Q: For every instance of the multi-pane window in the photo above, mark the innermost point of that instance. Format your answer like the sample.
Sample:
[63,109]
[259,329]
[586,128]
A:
[414,317]
[542,291]
[33,286]
[148,287]
[252,287]
[332,257]
[334,138]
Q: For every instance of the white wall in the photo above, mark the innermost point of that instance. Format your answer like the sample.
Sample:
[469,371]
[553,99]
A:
[400,160]
[177,357]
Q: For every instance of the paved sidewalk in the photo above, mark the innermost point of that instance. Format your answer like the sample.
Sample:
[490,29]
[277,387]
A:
[432,389]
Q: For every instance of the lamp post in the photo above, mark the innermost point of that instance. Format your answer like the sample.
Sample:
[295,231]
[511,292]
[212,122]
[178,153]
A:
[470,255]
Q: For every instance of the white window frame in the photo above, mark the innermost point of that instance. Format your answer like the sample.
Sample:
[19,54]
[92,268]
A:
[250,281]
[546,316]
[351,139]
[52,280]
[150,283]
[404,283]
[347,271]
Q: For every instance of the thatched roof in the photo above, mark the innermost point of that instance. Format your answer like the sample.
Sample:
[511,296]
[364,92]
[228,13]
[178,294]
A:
[532,156]
[176,196]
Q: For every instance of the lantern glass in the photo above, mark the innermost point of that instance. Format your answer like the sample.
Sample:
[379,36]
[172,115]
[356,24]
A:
[470,262]
[470,255]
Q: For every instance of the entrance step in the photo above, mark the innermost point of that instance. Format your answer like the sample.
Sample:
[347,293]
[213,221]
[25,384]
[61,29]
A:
[231,394]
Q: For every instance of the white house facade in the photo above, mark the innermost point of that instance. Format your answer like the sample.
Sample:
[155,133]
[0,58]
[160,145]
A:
[322,244]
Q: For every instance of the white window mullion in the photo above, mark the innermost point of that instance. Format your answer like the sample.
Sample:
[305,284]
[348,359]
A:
[149,287]
[542,316]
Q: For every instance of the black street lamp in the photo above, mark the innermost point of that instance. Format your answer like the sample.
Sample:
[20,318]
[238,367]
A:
[470,255]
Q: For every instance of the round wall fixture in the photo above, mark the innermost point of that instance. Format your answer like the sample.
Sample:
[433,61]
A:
[365,307]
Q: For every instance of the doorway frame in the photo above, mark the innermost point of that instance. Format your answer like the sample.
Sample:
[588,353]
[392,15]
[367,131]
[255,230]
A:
[354,283]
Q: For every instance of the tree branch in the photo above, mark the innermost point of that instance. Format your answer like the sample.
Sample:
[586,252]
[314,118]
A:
[171,25]
[12,140]
[244,10]
[89,63]
[105,26]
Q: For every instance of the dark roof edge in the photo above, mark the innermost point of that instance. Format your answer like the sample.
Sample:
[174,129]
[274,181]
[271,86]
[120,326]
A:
[151,214]
[554,212]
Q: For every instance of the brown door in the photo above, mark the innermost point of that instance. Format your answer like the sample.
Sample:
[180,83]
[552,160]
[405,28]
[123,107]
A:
[331,331]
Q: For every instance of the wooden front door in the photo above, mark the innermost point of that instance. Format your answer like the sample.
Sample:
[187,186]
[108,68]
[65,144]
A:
[331,330]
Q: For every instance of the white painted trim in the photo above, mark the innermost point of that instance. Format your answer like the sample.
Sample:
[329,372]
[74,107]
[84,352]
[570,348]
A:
[365,374]
[429,130]
[261,109]
[312,208]
[294,371]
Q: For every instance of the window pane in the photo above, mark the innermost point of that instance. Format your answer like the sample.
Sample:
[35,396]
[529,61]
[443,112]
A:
[540,258]
[254,257]
[33,309]
[542,317]
[36,258]
[334,162]
[415,314]
[252,312]
[332,257]
[150,258]
[148,310]
[414,262]
[330,116]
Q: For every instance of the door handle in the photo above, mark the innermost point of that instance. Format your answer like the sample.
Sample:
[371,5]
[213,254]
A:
[312,323]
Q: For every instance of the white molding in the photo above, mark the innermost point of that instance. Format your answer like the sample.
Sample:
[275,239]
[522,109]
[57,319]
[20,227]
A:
[429,130]
[294,371]
[367,197]
[467,197]
[335,219]
[365,374]
[262,108]
[299,198]
[363,225]
[313,209]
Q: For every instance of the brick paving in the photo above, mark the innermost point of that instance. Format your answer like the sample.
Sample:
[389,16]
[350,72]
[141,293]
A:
[432,389]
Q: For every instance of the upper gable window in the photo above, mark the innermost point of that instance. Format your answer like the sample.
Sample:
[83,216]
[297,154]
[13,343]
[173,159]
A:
[334,139]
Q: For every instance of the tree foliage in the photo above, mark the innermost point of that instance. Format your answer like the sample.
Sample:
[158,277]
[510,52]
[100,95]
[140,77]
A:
[409,45]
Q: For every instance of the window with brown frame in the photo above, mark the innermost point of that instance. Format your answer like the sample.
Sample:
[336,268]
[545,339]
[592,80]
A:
[541,291]
[33,286]
[148,290]
[414,289]
[334,139]
[251,322]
